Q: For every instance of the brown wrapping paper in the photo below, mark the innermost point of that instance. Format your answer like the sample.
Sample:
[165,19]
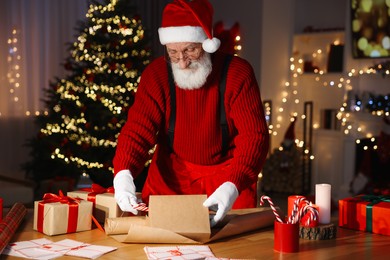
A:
[117,226]
[141,230]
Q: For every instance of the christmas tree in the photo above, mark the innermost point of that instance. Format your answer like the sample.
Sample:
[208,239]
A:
[86,110]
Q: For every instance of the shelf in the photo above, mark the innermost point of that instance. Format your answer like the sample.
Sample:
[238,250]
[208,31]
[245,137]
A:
[323,51]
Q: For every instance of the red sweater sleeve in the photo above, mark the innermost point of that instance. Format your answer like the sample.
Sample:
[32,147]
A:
[145,118]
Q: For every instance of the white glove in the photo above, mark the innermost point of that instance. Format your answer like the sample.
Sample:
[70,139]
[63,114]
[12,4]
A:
[125,191]
[221,201]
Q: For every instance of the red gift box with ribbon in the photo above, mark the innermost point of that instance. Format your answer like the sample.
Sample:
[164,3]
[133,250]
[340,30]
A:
[105,205]
[60,214]
[368,213]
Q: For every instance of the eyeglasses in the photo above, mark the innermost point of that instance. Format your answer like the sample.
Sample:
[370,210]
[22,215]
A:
[191,52]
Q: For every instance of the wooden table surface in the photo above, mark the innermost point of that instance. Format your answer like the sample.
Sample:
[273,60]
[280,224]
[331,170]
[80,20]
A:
[349,244]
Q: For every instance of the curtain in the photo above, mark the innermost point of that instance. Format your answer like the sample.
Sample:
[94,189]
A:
[33,37]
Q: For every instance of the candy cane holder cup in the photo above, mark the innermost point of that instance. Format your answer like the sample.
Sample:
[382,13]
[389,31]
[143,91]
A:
[286,237]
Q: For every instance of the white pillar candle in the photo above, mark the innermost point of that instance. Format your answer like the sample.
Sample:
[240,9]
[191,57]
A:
[323,202]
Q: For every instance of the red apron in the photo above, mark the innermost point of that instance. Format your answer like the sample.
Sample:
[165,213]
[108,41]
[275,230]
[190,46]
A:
[170,175]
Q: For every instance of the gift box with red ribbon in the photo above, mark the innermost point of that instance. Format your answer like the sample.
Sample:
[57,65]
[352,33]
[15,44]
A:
[60,214]
[368,213]
[103,200]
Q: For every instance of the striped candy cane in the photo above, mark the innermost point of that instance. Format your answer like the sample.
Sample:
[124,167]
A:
[141,207]
[313,213]
[294,216]
[272,207]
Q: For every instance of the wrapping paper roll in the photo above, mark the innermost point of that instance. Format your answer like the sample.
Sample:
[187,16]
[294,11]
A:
[116,226]
[10,223]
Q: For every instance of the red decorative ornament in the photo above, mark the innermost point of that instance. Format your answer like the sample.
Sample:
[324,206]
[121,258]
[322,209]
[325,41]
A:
[91,77]
[113,66]
[122,26]
[129,65]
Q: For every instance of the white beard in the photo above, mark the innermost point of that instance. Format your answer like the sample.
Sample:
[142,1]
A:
[195,75]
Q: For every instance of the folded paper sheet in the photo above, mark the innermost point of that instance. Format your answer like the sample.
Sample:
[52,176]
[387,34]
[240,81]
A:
[176,225]
[44,248]
[178,252]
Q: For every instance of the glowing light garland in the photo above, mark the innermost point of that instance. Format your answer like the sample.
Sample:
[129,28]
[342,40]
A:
[290,94]
[13,61]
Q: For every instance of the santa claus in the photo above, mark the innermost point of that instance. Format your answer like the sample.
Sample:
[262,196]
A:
[202,111]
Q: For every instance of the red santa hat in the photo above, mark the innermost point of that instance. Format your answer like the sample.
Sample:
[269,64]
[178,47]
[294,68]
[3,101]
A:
[189,21]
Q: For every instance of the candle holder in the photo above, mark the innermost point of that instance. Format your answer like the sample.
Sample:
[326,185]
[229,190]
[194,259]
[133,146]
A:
[320,232]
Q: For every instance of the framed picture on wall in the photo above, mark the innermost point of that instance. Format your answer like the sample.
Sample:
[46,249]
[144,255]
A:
[370,27]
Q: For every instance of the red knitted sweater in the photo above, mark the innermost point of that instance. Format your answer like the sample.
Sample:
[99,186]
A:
[197,136]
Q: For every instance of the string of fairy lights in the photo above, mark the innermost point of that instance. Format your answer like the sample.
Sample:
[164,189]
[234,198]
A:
[13,60]
[290,95]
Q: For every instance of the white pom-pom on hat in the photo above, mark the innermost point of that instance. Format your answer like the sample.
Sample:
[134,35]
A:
[189,21]
[211,45]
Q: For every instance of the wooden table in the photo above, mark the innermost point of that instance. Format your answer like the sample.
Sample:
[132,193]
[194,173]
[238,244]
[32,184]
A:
[349,244]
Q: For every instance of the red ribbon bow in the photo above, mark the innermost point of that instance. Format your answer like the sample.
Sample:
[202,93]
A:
[95,190]
[61,198]
[52,198]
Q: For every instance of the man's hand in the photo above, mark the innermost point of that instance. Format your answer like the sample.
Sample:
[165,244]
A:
[125,191]
[221,201]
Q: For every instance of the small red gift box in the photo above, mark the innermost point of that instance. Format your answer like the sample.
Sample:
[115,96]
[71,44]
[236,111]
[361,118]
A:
[366,213]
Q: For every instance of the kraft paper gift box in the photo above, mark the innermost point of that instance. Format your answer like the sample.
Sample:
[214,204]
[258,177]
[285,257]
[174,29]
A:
[368,213]
[105,205]
[183,219]
[59,214]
